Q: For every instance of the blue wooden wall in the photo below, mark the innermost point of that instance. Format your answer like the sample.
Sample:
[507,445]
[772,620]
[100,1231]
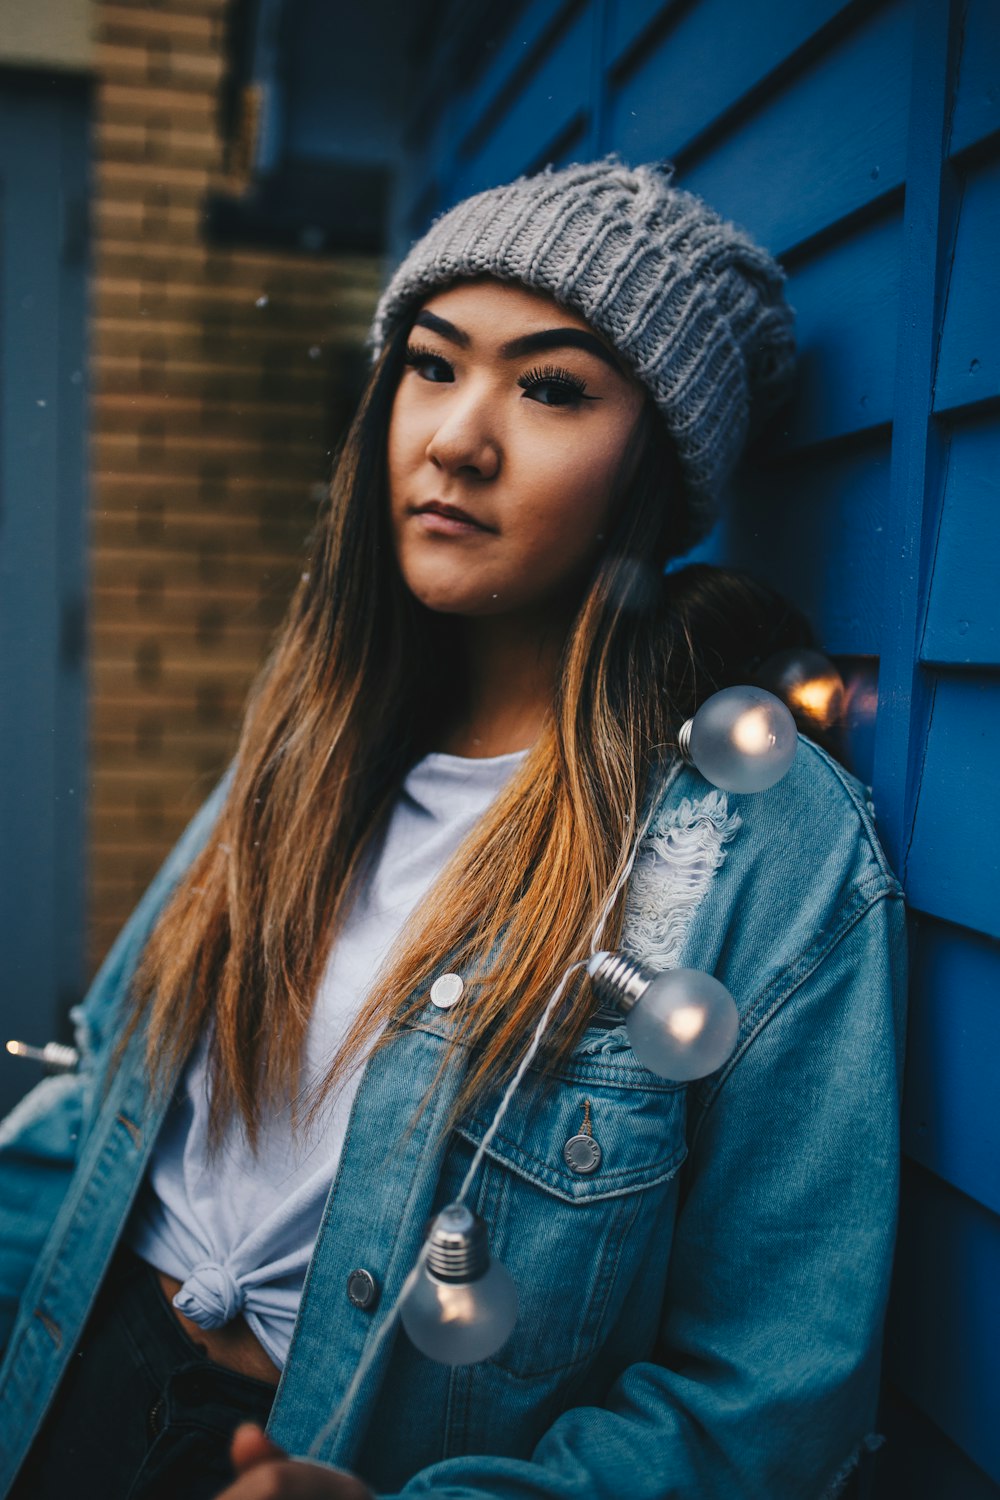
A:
[861,143]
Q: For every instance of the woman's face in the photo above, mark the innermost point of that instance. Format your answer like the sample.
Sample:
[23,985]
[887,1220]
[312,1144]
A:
[513,412]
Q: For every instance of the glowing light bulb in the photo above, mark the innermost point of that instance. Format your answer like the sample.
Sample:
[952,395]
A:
[808,682]
[682,1024]
[742,739]
[463,1305]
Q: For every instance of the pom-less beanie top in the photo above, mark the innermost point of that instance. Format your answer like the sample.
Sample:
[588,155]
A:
[695,308]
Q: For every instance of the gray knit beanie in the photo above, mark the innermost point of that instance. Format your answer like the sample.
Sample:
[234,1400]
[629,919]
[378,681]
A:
[692,304]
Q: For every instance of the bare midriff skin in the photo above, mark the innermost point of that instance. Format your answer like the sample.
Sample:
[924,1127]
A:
[235,1345]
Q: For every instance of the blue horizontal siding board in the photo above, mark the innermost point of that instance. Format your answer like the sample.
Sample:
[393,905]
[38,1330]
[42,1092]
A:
[574,146]
[953,867]
[963,616]
[951,1123]
[534,22]
[917,1460]
[815,530]
[977,105]
[630,18]
[943,1331]
[700,66]
[784,173]
[846,304]
[969,360]
[553,95]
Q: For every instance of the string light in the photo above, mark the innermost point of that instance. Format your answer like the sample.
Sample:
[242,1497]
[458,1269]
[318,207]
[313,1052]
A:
[463,1304]
[808,682]
[682,1024]
[742,739]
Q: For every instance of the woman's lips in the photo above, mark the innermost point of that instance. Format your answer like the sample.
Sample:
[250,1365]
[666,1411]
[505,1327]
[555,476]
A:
[437,524]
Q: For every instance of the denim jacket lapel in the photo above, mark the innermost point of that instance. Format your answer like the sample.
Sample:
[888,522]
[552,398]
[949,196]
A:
[375,1219]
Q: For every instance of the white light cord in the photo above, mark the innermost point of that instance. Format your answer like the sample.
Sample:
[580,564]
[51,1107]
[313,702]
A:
[369,1353]
[372,1348]
[374,1344]
[523,1066]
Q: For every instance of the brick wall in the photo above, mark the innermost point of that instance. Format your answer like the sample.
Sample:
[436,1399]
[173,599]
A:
[220,380]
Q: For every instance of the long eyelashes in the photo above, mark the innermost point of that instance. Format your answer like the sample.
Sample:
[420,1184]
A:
[568,387]
[554,375]
[419,357]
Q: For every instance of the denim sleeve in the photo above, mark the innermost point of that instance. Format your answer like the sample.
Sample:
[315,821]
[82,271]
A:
[40,1140]
[765,1374]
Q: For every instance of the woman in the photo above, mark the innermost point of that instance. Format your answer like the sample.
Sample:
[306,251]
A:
[472,707]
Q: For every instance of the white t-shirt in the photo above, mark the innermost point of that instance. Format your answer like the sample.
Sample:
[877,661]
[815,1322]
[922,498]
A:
[239,1231]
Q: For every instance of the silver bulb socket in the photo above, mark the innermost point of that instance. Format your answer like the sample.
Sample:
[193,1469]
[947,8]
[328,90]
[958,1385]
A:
[619,979]
[684,741]
[459,1248]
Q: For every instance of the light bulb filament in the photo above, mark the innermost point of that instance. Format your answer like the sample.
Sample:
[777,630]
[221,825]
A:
[752,732]
[686,1022]
[457,1306]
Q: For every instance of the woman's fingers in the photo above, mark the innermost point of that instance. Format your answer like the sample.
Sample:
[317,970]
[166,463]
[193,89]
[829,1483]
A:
[251,1446]
[265,1472]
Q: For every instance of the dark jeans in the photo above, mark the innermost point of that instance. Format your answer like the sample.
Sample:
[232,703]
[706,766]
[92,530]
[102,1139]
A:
[141,1413]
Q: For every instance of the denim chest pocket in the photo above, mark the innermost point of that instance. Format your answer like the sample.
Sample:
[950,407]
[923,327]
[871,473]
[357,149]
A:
[571,1226]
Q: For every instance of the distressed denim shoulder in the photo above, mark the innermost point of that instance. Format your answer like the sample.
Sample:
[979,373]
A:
[684,847]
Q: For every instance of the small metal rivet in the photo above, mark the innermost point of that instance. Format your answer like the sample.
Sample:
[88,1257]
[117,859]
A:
[446,990]
[362,1289]
[582,1154]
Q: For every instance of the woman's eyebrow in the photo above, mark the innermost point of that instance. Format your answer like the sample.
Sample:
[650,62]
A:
[528,343]
[443,327]
[559,338]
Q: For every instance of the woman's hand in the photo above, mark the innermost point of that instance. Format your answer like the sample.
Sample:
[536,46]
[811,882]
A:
[265,1472]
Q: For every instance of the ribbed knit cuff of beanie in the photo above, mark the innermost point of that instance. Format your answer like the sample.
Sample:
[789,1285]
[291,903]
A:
[693,305]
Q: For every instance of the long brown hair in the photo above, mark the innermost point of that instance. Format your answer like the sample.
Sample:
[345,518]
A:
[340,711]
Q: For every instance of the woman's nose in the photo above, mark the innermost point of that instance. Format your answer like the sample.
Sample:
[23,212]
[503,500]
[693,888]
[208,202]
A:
[464,442]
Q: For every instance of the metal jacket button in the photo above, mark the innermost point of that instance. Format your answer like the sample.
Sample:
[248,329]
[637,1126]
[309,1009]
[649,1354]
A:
[362,1289]
[581,1153]
[446,990]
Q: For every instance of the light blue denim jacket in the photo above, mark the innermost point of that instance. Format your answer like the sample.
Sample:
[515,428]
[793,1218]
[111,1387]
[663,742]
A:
[699,1317]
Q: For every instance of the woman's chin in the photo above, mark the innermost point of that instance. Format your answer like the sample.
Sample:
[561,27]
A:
[458,601]
[461,608]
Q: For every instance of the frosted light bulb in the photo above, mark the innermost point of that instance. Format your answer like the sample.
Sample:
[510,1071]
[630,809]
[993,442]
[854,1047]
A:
[808,682]
[682,1024]
[742,739]
[463,1305]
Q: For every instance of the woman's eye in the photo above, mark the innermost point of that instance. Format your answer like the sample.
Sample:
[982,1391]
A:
[433,367]
[554,386]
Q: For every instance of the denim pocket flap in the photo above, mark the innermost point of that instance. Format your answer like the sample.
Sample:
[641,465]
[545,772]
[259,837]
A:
[635,1120]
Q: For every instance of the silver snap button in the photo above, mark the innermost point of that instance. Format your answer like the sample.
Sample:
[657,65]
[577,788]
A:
[582,1154]
[362,1289]
[446,990]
